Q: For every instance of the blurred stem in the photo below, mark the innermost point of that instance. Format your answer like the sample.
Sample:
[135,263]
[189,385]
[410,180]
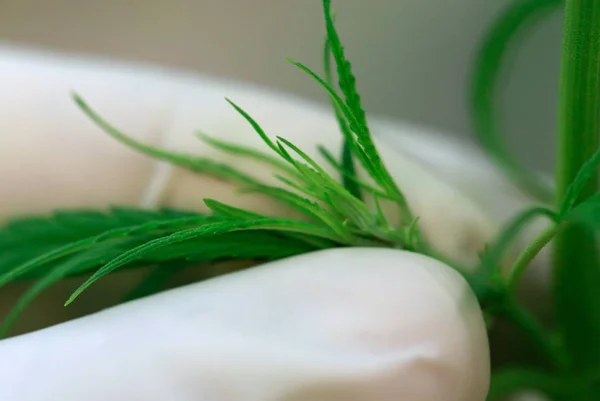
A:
[539,336]
[514,20]
[511,380]
[529,254]
[576,268]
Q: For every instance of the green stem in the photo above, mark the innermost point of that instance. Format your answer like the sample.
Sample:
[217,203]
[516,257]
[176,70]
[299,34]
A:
[576,269]
[538,335]
[508,381]
[529,254]
[516,19]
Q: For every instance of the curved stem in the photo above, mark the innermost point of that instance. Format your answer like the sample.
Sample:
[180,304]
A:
[513,228]
[519,15]
[529,254]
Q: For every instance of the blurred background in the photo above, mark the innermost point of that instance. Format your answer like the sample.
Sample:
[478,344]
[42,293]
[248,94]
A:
[412,58]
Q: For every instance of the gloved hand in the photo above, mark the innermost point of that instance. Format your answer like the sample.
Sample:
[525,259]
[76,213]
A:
[346,324]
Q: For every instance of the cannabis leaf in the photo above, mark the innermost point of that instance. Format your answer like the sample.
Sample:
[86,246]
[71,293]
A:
[81,242]
[213,229]
[347,81]
[80,263]
[156,226]
[320,197]
[358,137]
[120,234]
[192,163]
[156,280]
[348,168]
[29,237]
[234,149]
[358,124]
[69,243]
[336,216]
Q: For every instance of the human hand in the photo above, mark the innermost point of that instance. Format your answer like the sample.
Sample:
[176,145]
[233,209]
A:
[352,324]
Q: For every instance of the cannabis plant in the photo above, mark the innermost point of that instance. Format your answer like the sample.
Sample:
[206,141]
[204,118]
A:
[344,210]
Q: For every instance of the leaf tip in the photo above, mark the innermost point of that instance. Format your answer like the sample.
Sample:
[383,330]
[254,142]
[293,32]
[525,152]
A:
[292,61]
[72,298]
[203,137]
[79,100]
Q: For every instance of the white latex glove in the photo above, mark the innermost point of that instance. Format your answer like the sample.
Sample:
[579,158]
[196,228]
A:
[353,324]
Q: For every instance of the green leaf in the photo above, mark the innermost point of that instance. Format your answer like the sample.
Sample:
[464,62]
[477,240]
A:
[302,154]
[81,262]
[207,230]
[234,245]
[343,209]
[365,149]
[298,187]
[284,196]
[574,190]
[505,30]
[247,245]
[156,280]
[370,189]
[347,113]
[347,81]
[236,213]
[192,163]
[249,153]
[258,245]
[302,172]
[348,168]
[25,238]
[228,211]
[587,212]
[349,171]
[152,227]
[302,204]
[342,206]
[381,216]
[256,127]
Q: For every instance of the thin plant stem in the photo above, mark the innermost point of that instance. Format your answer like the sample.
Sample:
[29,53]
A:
[527,256]
[501,36]
[576,267]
